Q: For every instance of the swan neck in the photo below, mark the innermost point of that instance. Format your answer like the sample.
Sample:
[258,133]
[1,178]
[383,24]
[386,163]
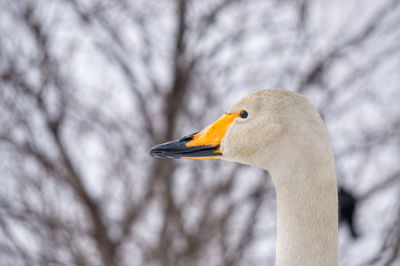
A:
[307,215]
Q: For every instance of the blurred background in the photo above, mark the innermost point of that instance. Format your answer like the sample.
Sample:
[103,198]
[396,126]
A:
[87,87]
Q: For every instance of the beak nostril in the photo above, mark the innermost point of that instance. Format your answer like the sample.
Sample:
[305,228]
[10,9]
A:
[188,137]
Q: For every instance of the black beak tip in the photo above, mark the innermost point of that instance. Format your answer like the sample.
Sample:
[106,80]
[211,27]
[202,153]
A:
[153,152]
[158,152]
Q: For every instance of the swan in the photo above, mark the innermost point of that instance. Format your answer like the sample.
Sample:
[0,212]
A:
[281,132]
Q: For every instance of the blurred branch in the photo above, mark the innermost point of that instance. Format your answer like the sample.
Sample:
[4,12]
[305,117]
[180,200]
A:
[379,187]
[315,73]
[209,19]
[257,199]
[391,245]
[73,178]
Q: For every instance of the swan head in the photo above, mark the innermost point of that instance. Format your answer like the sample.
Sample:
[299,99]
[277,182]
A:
[262,130]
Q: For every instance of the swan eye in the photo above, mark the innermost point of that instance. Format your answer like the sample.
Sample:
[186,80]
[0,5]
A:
[243,114]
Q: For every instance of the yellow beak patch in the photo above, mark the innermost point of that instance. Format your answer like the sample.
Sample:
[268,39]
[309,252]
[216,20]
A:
[212,134]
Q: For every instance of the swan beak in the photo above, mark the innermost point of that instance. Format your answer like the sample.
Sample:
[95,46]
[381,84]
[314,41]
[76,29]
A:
[201,145]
